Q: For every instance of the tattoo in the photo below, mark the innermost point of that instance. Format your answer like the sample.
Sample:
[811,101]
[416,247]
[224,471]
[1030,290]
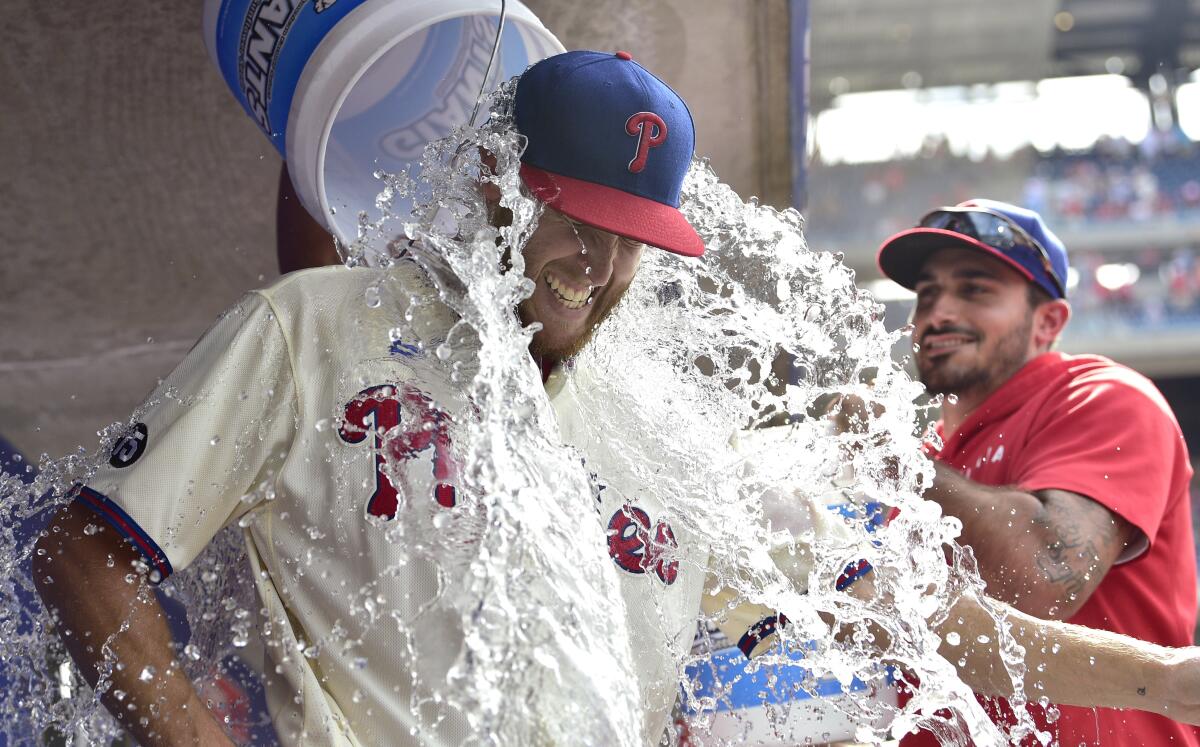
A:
[1141,691]
[1083,533]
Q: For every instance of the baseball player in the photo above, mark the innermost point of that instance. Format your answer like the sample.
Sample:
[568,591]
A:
[275,422]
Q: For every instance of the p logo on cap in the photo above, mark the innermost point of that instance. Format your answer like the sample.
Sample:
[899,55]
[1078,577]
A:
[609,145]
[638,125]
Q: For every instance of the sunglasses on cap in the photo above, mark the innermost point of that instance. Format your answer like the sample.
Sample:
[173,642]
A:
[995,230]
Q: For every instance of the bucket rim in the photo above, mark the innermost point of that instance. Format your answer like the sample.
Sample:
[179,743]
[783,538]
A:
[310,125]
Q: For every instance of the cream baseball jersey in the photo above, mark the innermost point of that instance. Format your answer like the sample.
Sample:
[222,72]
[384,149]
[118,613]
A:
[275,422]
[666,569]
[662,566]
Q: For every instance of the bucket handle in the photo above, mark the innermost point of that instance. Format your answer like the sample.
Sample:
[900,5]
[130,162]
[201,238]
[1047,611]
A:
[491,61]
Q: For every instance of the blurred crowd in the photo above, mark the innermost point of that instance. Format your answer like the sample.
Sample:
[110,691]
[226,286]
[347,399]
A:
[1145,190]
[1150,288]
[1117,180]
[851,204]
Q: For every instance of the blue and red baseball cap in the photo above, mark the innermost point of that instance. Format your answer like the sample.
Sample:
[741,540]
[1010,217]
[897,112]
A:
[1015,235]
[609,145]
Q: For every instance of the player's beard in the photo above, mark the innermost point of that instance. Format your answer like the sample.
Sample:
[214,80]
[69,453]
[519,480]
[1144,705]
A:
[558,353]
[983,376]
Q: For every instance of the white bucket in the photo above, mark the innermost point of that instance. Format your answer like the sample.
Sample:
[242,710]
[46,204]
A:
[343,88]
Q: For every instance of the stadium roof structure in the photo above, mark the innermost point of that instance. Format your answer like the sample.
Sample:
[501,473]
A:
[869,45]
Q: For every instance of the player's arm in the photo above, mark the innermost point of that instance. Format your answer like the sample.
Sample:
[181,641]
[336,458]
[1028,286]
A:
[1068,664]
[1043,552]
[106,614]
[1073,665]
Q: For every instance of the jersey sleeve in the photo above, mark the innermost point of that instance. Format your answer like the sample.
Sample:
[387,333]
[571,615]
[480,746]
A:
[205,442]
[1111,441]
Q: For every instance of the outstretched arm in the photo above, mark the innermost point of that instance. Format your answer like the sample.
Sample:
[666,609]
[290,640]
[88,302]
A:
[104,611]
[1068,664]
[1073,665]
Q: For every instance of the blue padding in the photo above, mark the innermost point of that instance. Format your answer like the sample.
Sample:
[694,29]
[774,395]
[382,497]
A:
[872,513]
[750,689]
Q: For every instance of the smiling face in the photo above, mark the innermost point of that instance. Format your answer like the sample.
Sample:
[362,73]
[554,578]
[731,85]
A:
[579,274]
[974,323]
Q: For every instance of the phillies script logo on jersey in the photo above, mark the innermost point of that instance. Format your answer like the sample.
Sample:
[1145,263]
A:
[637,548]
[650,131]
[376,412]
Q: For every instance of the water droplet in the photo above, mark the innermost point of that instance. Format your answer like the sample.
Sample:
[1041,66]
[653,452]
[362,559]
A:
[443,351]
[953,638]
[372,297]
[952,399]
[147,674]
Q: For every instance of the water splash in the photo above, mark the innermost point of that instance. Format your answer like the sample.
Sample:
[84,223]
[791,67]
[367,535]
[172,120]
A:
[688,360]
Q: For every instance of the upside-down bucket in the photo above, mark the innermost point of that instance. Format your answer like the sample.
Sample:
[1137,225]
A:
[343,88]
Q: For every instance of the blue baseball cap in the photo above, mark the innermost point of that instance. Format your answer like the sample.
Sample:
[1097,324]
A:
[1016,235]
[609,145]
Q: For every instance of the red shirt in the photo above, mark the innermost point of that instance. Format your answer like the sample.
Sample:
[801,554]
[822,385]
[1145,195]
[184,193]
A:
[1090,426]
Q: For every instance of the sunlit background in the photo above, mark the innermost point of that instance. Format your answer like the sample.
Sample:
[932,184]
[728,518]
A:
[1087,111]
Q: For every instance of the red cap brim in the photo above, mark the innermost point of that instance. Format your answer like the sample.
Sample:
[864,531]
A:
[615,211]
[902,256]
